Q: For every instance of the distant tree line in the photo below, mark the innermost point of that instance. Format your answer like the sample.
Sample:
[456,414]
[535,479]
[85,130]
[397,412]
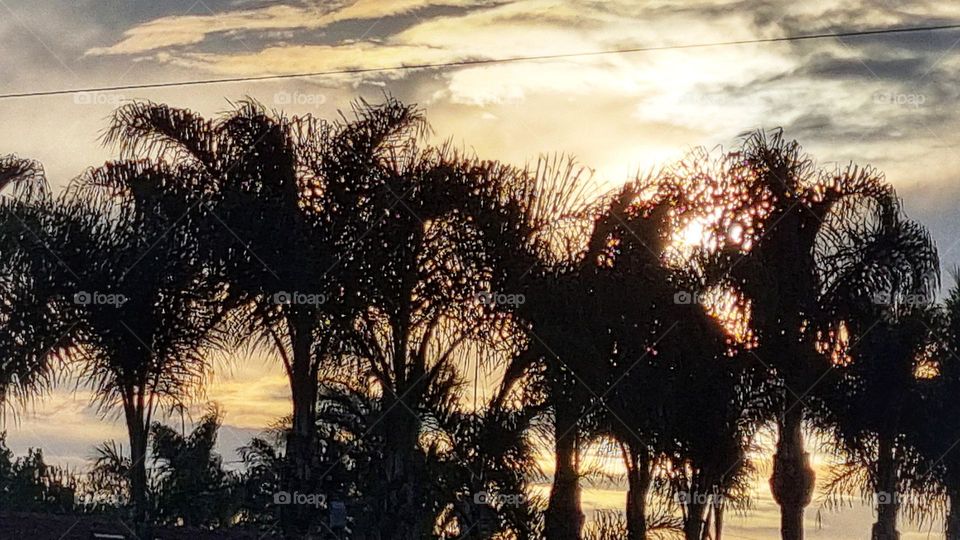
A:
[672,318]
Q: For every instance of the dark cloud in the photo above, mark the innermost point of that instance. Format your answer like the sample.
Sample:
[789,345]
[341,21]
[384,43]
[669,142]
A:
[775,19]
[844,130]
[826,65]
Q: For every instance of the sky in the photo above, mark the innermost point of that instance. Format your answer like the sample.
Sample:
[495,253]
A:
[887,101]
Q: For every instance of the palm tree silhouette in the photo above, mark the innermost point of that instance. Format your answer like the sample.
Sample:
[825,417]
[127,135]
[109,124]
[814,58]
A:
[637,312]
[598,296]
[119,276]
[934,430]
[109,476]
[377,267]
[795,208]
[192,485]
[667,348]
[536,231]
[246,186]
[312,181]
[487,471]
[880,274]
[27,367]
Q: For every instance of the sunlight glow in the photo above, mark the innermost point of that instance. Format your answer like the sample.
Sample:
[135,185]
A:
[836,345]
[927,365]
[927,369]
[732,312]
[694,234]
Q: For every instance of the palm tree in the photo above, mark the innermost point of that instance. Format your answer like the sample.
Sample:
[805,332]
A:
[595,287]
[281,204]
[349,410]
[247,188]
[708,469]
[665,348]
[934,431]
[192,486]
[25,209]
[637,313]
[787,208]
[424,275]
[109,477]
[535,225]
[357,201]
[118,274]
[463,457]
[881,274]
[261,475]
[486,461]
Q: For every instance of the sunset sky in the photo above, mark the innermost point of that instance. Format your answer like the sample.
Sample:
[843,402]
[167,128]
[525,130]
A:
[888,101]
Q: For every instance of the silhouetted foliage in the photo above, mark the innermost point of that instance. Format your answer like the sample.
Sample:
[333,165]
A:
[674,317]
[192,487]
[28,484]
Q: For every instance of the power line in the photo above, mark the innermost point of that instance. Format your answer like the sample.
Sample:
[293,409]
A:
[481,62]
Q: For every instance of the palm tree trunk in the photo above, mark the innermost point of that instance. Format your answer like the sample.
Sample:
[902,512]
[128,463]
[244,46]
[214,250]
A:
[301,458]
[638,483]
[717,520]
[953,515]
[887,498]
[564,518]
[693,522]
[792,480]
[401,516]
[301,439]
[137,432]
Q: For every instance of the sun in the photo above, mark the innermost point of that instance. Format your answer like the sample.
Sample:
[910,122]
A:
[694,234]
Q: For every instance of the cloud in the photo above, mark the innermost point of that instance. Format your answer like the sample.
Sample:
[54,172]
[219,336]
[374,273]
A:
[182,30]
[65,426]
[304,58]
[827,65]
